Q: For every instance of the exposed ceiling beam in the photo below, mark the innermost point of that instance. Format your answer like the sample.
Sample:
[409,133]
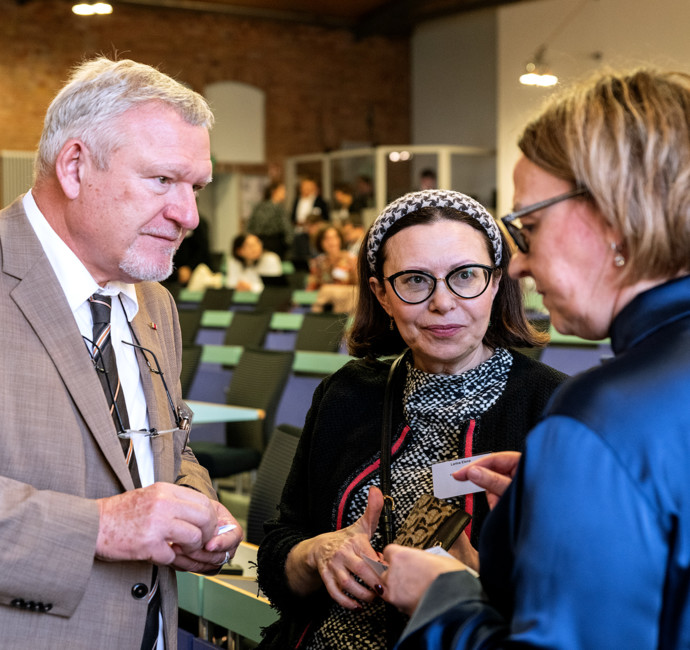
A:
[395,18]
[390,19]
[308,18]
[398,17]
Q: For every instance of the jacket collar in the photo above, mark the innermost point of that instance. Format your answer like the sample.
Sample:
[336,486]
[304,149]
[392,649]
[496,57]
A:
[649,312]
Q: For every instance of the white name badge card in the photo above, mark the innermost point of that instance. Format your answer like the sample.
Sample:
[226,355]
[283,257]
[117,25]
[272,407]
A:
[445,486]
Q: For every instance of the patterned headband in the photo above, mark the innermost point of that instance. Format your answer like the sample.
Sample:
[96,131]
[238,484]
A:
[431,199]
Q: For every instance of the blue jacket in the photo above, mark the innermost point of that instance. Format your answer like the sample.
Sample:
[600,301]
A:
[590,546]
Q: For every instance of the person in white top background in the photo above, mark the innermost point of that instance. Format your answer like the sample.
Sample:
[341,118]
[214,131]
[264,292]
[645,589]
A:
[249,262]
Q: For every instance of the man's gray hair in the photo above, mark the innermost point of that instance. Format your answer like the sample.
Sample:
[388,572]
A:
[100,90]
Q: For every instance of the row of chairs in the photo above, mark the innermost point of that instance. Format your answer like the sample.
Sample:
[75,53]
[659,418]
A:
[274,297]
[269,480]
[270,300]
[258,381]
[320,332]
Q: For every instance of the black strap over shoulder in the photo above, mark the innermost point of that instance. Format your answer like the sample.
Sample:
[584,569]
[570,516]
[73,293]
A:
[392,382]
[394,622]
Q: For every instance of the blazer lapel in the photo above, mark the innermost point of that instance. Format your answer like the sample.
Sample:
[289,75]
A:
[40,298]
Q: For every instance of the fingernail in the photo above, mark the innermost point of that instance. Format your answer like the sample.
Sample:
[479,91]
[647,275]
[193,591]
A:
[474,473]
[378,589]
[358,608]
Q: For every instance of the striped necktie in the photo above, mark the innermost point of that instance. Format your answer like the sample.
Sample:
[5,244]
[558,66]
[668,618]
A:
[104,357]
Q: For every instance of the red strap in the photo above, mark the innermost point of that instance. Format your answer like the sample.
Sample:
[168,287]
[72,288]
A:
[362,475]
[304,634]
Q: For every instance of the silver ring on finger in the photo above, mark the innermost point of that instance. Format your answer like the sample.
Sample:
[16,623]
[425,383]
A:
[226,559]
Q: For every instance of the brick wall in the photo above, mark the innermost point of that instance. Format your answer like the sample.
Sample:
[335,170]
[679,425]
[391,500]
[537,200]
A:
[322,86]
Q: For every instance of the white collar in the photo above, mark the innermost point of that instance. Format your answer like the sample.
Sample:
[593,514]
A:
[75,280]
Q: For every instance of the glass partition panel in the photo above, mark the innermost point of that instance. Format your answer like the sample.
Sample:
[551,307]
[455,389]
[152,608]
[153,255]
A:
[399,174]
[475,176]
[396,170]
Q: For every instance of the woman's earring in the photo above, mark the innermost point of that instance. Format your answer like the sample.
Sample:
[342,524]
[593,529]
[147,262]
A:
[391,326]
[618,258]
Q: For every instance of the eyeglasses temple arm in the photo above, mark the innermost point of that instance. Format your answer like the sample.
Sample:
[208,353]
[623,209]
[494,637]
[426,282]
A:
[179,416]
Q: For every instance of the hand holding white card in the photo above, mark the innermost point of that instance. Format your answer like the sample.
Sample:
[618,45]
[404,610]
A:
[445,486]
[437,550]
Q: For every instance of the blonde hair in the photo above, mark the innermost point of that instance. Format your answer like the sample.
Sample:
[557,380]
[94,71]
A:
[100,90]
[626,139]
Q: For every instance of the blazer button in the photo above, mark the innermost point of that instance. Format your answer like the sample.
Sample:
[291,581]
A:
[140,590]
[18,602]
[45,607]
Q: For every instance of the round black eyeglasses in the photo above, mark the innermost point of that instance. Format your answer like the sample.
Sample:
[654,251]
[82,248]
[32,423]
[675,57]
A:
[466,281]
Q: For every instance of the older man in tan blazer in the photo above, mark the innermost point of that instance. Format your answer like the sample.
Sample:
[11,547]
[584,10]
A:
[123,152]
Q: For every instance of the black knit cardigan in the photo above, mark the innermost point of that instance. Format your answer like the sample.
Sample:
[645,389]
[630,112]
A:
[342,435]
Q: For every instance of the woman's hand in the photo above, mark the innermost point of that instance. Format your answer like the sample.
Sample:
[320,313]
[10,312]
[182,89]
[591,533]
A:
[494,473]
[410,572]
[334,559]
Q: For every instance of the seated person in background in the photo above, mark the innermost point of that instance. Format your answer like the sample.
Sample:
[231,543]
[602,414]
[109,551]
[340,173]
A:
[308,202]
[462,392]
[364,194]
[427,179]
[312,226]
[249,262]
[332,265]
[353,232]
[304,241]
[194,250]
[270,222]
[343,196]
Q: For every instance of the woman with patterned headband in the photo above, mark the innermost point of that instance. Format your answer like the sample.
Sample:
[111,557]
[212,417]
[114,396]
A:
[432,285]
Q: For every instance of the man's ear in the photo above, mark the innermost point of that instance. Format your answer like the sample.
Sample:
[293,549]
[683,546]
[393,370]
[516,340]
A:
[69,167]
[380,292]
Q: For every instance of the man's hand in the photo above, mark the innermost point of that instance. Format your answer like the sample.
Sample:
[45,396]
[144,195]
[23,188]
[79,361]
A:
[146,523]
[216,551]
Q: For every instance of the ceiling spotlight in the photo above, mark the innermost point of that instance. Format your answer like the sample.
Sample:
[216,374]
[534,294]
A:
[98,8]
[537,72]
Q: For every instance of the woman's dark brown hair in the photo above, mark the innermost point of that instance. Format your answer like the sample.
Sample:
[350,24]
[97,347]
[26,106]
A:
[370,334]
